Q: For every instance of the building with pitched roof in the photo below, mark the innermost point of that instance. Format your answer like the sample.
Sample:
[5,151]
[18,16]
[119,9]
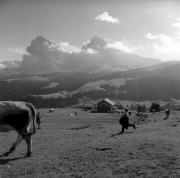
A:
[105,105]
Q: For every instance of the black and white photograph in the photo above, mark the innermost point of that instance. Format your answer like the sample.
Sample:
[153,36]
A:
[89,88]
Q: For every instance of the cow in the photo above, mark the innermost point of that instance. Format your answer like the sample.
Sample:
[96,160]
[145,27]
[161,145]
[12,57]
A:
[18,116]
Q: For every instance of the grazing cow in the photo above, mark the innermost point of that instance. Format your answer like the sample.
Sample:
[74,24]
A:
[18,116]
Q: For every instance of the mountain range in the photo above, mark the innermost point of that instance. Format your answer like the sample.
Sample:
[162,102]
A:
[50,76]
[96,55]
[159,82]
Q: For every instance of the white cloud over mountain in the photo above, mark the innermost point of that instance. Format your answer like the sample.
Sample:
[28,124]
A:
[19,50]
[106,17]
[176,24]
[95,55]
[65,47]
[160,37]
[92,46]
[167,47]
[119,45]
[9,64]
[2,66]
[90,51]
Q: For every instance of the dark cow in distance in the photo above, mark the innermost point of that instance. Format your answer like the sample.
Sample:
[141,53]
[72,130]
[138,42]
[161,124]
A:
[18,116]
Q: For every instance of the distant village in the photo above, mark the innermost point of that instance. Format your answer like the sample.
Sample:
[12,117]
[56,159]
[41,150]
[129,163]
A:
[109,106]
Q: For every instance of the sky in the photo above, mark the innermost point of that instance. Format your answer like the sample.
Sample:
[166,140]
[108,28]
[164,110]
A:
[148,28]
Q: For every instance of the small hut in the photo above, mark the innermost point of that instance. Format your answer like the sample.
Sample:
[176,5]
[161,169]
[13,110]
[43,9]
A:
[105,105]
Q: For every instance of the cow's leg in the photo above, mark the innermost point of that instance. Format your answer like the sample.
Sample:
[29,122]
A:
[122,130]
[39,125]
[28,140]
[13,147]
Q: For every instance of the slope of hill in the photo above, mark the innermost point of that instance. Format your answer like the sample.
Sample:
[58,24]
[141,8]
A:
[60,89]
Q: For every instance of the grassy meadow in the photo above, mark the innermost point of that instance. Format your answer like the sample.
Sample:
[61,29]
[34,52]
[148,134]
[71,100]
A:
[82,146]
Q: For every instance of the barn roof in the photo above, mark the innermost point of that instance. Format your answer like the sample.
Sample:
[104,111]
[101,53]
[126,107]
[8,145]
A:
[108,101]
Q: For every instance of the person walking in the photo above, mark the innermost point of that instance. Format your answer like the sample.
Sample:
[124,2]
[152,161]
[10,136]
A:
[124,121]
[167,113]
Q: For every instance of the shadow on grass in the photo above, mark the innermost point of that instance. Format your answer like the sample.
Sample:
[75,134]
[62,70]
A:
[113,135]
[7,160]
[81,127]
[101,149]
[120,133]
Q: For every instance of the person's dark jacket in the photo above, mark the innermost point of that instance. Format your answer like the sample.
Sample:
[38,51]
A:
[124,121]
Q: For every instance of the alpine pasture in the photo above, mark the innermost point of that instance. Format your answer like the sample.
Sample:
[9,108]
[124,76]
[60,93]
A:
[83,146]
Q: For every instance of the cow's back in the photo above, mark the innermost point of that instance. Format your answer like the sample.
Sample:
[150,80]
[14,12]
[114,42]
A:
[14,114]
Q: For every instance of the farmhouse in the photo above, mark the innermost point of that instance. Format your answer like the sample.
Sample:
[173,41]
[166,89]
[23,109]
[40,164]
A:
[105,105]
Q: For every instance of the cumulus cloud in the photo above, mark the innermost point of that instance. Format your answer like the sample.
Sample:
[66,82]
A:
[119,45]
[45,56]
[65,47]
[20,50]
[176,24]
[106,17]
[96,44]
[150,36]
[149,10]
[91,51]
[165,46]
[160,37]
[2,66]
